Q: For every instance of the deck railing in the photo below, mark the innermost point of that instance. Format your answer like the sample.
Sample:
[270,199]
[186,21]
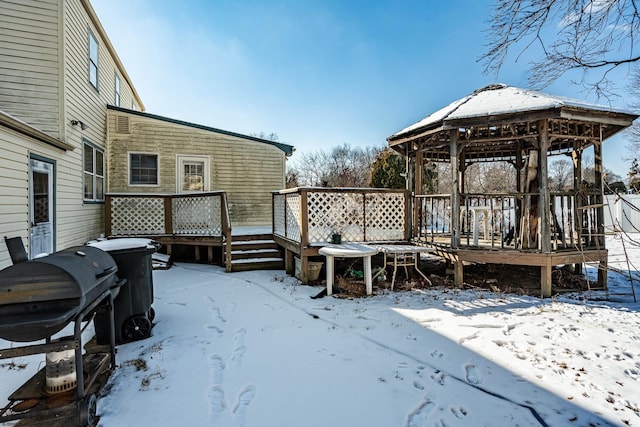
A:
[193,214]
[495,219]
[311,215]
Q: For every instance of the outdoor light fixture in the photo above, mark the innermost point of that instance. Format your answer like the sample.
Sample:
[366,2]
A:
[83,125]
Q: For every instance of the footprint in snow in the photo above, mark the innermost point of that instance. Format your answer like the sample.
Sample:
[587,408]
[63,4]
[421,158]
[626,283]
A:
[419,416]
[632,373]
[238,354]
[244,400]
[239,349]
[418,386]
[217,404]
[438,377]
[219,330]
[238,336]
[436,354]
[216,315]
[471,374]
[217,368]
[459,412]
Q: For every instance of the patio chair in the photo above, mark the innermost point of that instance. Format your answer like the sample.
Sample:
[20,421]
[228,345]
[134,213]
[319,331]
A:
[16,249]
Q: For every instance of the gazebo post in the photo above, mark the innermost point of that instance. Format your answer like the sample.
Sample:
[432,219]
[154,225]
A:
[544,206]
[458,277]
[417,191]
[600,239]
[576,155]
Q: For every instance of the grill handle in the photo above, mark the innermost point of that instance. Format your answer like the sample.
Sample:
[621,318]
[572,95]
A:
[106,272]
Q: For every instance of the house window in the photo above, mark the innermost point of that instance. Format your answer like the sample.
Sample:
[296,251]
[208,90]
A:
[193,173]
[143,169]
[117,87]
[133,105]
[93,176]
[93,60]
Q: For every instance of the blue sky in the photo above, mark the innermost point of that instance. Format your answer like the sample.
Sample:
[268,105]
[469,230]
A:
[317,73]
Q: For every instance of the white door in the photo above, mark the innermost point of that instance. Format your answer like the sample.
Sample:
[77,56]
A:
[40,207]
[193,173]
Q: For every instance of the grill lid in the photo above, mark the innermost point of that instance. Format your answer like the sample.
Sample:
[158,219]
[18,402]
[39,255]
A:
[40,297]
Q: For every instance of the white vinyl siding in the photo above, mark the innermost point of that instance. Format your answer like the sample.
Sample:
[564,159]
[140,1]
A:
[30,62]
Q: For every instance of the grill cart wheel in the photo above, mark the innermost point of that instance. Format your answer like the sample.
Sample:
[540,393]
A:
[136,327]
[151,314]
[88,411]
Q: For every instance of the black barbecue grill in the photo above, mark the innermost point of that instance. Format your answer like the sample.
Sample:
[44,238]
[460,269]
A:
[38,299]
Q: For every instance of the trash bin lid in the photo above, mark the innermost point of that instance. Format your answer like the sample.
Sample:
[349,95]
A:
[112,245]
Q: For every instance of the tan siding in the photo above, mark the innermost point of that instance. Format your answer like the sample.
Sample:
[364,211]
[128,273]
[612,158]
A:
[29,63]
[247,170]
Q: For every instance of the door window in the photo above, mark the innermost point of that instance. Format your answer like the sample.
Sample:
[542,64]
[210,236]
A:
[193,173]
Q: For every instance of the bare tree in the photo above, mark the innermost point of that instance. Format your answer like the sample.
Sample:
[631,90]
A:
[493,177]
[592,36]
[267,136]
[560,175]
[342,166]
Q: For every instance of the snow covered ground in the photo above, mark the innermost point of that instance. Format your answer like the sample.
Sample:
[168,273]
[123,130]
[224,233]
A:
[253,349]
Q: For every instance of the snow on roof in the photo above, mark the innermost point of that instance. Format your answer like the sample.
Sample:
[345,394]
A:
[500,99]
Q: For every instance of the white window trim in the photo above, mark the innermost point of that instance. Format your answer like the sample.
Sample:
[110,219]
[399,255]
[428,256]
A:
[181,158]
[97,63]
[118,95]
[129,153]
[94,174]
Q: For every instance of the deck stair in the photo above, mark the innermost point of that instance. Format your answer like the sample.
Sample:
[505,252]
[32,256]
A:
[255,252]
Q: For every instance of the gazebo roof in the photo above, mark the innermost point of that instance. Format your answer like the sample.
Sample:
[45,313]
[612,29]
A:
[510,107]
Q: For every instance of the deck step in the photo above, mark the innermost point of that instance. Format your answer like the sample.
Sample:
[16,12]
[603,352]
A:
[255,252]
[258,264]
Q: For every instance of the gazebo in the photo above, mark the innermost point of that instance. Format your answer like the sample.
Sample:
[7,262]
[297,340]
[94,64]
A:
[531,225]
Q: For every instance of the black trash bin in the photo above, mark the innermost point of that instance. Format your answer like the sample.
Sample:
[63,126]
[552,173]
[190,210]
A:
[132,309]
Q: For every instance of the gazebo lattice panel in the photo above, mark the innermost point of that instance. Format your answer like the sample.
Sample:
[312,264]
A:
[197,216]
[137,215]
[385,216]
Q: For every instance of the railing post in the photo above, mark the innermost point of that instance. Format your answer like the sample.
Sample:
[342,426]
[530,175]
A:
[304,219]
[226,230]
[168,215]
[107,215]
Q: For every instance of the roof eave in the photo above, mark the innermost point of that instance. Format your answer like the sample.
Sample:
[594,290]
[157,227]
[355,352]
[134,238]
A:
[286,148]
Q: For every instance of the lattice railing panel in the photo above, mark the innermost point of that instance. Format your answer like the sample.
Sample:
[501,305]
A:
[137,216]
[385,217]
[293,219]
[279,217]
[336,212]
[197,216]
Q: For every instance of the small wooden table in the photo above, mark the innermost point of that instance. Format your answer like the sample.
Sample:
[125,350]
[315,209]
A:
[349,250]
[403,256]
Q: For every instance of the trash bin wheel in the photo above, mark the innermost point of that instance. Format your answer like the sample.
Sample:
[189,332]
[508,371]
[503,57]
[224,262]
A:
[151,314]
[88,408]
[136,327]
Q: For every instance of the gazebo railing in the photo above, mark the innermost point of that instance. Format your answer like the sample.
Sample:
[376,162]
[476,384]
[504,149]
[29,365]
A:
[310,215]
[494,220]
[193,214]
